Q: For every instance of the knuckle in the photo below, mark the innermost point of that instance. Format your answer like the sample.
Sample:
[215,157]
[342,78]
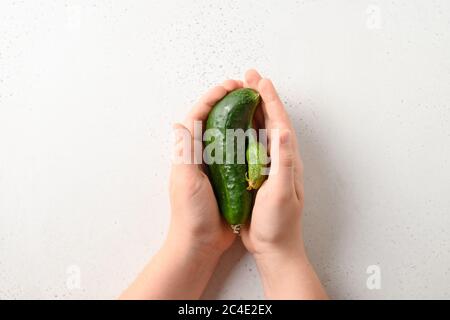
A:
[287,159]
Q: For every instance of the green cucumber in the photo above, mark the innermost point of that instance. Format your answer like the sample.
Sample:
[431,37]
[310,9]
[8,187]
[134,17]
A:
[231,181]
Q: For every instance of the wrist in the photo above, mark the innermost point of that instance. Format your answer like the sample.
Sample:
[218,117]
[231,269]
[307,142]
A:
[189,249]
[202,241]
[177,271]
[281,256]
[302,282]
[284,249]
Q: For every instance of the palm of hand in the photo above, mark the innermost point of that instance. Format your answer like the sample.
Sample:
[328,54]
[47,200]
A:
[195,213]
[195,209]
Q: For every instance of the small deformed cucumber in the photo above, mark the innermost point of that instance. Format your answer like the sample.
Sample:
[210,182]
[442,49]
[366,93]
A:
[256,158]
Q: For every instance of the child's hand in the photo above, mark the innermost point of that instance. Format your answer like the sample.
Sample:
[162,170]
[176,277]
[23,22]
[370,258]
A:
[197,235]
[276,218]
[274,235]
[195,214]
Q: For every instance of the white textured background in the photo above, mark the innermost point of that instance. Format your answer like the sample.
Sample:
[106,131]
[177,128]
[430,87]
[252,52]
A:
[89,90]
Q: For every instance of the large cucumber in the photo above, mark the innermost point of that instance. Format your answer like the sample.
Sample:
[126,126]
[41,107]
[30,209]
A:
[232,182]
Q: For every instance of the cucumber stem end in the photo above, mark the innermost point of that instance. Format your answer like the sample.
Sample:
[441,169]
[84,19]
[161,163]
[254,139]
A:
[250,183]
[236,228]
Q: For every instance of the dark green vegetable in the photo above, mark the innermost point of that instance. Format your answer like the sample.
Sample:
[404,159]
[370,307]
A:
[231,181]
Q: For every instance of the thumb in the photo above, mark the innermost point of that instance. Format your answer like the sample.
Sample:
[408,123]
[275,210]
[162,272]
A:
[282,163]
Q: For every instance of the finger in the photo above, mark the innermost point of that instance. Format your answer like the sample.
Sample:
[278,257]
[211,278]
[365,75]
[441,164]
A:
[282,165]
[251,79]
[232,84]
[276,117]
[273,107]
[200,111]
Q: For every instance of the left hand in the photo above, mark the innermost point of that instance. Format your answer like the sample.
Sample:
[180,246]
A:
[198,235]
[195,218]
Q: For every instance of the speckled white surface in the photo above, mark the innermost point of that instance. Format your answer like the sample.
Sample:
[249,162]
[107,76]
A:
[88,93]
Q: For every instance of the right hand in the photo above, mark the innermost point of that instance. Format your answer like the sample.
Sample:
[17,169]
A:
[274,236]
[276,219]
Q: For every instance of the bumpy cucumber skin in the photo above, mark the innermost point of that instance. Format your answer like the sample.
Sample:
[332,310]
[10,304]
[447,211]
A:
[256,156]
[234,111]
